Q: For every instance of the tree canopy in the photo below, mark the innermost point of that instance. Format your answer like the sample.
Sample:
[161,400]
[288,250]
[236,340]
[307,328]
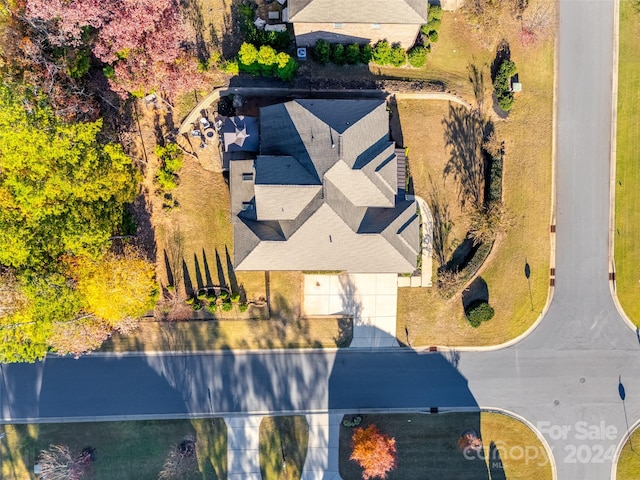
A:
[374,451]
[140,40]
[74,312]
[115,287]
[61,190]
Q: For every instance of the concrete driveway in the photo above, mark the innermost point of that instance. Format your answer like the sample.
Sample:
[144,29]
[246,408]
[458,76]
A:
[371,299]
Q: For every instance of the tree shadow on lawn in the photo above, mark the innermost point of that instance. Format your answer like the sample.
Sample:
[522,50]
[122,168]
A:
[207,271]
[139,213]
[442,224]
[464,134]
[221,277]
[233,281]
[283,439]
[163,125]
[477,291]
[476,78]
[199,280]
[496,468]
[194,16]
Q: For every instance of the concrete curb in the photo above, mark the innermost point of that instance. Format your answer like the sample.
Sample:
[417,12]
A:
[534,429]
[621,444]
[612,161]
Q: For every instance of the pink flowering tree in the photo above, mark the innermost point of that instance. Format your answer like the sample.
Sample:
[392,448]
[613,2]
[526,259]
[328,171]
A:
[141,40]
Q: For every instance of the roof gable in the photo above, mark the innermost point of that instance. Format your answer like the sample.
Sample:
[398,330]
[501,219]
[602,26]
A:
[283,202]
[339,114]
[282,170]
[357,187]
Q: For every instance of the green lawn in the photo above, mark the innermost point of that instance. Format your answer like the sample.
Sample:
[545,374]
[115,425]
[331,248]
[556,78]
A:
[527,174]
[627,209]
[283,436]
[629,461]
[124,450]
[427,447]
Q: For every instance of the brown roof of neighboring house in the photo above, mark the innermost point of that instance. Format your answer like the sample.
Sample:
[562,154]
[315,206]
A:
[359,11]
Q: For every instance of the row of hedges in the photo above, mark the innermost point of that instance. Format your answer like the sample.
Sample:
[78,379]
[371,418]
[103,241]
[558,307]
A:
[502,84]
[324,52]
[495,179]
[265,61]
[385,53]
[434,21]
[382,53]
[209,301]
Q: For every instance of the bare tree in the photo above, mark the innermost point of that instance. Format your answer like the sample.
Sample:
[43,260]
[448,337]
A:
[180,461]
[538,24]
[488,223]
[58,463]
[484,13]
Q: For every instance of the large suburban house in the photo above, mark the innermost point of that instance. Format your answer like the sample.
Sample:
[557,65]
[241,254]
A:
[359,21]
[322,193]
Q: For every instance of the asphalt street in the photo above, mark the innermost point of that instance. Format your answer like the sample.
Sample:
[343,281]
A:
[576,371]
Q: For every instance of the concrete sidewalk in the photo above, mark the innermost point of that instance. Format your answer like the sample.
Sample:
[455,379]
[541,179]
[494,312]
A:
[243,460]
[322,453]
[371,299]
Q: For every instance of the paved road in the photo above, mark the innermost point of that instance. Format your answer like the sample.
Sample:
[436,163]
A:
[579,365]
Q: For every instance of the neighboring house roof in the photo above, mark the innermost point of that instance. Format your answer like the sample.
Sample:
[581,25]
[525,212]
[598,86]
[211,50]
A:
[323,192]
[359,11]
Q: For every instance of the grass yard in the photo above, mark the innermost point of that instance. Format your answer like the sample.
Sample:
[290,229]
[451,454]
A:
[234,334]
[457,45]
[124,450]
[628,467]
[627,209]
[527,173]
[283,437]
[427,447]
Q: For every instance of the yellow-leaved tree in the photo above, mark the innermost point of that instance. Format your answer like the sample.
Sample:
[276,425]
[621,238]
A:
[117,287]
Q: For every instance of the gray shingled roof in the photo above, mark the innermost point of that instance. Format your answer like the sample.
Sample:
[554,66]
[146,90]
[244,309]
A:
[326,184]
[359,11]
[283,202]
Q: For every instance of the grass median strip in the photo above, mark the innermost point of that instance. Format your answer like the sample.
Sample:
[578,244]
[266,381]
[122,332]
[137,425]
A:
[430,446]
[283,447]
[627,209]
[188,449]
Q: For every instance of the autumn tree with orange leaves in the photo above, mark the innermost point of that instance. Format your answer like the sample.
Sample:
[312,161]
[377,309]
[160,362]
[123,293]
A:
[374,451]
